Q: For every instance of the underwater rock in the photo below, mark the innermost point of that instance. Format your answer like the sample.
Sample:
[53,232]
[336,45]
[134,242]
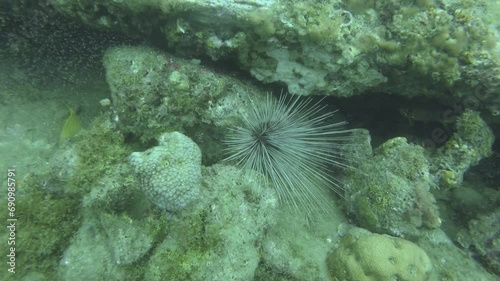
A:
[219,237]
[471,142]
[110,241]
[154,92]
[329,47]
[89,256]
[485,236]
[391,195]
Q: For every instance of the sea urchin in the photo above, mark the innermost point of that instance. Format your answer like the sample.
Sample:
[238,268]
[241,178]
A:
[291,143]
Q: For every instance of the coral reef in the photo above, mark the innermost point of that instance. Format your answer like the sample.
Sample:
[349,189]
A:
[97,211]
[79,166]
[170,173]
[219,238]
[154,92]
[339,48]
[390,193]
[470,143]
[392,196]
[46,223]
[483,236]
[300,256]
[78,263]
[115,240]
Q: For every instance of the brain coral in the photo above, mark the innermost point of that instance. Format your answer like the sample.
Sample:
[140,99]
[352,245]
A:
[378,257]
[169,174]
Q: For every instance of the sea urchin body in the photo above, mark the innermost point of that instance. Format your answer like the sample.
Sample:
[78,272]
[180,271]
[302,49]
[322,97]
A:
[291,143]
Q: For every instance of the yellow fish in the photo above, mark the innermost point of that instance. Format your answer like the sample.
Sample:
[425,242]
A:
[71,126]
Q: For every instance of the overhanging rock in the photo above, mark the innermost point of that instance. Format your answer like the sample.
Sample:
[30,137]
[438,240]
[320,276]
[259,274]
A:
[409,48]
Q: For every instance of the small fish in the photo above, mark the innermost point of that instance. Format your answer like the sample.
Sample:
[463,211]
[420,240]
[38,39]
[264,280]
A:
[71,126]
